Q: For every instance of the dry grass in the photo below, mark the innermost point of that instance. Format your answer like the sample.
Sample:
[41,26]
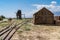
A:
[3,24]
[30,31]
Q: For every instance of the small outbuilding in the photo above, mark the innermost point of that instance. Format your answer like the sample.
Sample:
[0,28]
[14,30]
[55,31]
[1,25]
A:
[57,20]
[43,16]
[56,17]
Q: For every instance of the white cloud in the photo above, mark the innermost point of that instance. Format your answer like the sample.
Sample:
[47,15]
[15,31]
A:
[53,3]
[51,7]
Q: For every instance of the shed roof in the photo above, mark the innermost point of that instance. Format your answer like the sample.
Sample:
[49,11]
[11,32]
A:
[44,9]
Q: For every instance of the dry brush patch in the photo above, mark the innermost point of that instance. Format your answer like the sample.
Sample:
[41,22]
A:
[39,32]
[30,31]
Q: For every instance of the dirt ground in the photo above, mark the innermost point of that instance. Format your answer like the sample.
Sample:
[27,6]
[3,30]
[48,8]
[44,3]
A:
[30,31]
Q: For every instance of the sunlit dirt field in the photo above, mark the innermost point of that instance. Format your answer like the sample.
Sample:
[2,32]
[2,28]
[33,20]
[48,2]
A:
[30,31]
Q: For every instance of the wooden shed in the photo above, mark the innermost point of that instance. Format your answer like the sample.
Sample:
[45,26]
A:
[43,16]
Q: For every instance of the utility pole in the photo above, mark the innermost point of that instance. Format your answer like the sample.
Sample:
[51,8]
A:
[24,15]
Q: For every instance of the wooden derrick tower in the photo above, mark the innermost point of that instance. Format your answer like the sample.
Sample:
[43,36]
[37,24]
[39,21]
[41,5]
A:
[18,14]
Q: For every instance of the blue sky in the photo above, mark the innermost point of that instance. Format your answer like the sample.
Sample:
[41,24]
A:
[9,8]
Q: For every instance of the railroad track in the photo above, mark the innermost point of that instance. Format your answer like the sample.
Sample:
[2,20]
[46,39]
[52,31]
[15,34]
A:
[6,27]
[11,31]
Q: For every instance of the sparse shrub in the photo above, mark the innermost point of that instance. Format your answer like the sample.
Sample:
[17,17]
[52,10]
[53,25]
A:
[10,19]
[1,18]
[27,28]
[20,31]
